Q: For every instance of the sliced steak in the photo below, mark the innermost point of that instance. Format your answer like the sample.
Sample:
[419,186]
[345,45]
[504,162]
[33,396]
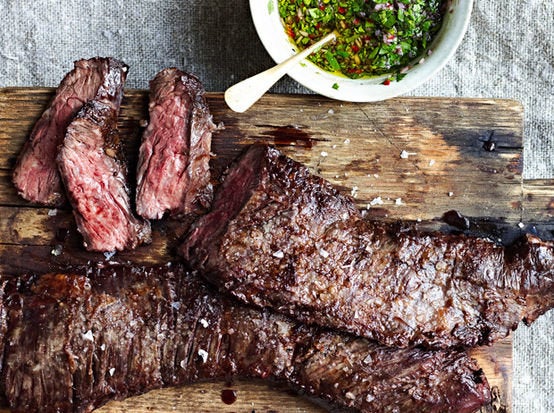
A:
[95,177]
[280,237]
[173,174]
[36,174]
[74,342]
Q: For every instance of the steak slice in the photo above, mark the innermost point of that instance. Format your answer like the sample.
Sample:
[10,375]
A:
[74,342]
[280,237]
[173,174]
[95,177]
[36,174]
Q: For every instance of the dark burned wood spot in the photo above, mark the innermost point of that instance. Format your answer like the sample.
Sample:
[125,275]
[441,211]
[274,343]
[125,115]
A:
[12,160]
[456,220]
[516,164]
[516,205]
[62,234]
[488,169]
[289,135]
[368,166]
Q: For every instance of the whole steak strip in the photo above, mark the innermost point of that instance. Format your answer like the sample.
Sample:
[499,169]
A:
[72,343]
[281,237]
[36,175]
[95,176]
[173,174]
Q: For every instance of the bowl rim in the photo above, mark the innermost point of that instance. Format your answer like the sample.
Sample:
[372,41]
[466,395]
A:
[265,16]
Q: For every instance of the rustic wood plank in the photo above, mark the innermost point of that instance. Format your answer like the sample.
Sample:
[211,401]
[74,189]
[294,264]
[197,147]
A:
[252,396]
[430,154]
[538,210]
[355,146]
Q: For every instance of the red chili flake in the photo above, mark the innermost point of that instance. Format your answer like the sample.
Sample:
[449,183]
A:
[356,21]
[290,32]
[322,6]
[386,82]
[355,48]
[318,25]
[341,10]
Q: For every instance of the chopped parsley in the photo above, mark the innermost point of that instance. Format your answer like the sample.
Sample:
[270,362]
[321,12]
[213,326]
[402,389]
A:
[376,37]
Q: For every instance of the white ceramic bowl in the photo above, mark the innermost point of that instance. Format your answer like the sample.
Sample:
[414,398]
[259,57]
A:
[265,14]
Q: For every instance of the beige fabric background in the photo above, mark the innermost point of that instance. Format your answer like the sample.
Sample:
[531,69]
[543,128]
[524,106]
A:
[507,53]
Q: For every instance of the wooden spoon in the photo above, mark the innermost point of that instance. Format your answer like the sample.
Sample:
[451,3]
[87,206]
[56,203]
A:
[244,94]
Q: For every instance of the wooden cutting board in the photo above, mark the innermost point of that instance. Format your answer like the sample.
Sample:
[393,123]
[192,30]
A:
[407,158]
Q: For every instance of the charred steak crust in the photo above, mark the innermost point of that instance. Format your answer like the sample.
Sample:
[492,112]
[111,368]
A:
[280,237]
[36,175]
[173,174]
[74,342]
[95,176]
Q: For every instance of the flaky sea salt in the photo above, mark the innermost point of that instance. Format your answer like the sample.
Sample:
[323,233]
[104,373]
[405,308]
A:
[279,254]
[203,354]
[376,201]
[109,255]
[88,336]
[406,154]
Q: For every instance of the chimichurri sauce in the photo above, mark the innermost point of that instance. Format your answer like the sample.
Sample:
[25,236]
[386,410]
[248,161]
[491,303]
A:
[376,37]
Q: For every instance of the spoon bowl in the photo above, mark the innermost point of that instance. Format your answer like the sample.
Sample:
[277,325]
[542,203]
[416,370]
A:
[267,22]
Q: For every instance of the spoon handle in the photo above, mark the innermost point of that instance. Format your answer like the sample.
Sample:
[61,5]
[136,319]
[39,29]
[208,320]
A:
[244,94]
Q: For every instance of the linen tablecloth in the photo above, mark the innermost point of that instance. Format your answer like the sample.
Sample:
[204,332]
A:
[508,52]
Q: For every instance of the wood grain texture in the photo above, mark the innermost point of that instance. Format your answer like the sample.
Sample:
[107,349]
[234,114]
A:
[407,158]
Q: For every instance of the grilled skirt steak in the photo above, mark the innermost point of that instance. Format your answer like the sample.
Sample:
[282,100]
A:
[36,175]
[95,177]
[173,174]
[280,237]
[73,342]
